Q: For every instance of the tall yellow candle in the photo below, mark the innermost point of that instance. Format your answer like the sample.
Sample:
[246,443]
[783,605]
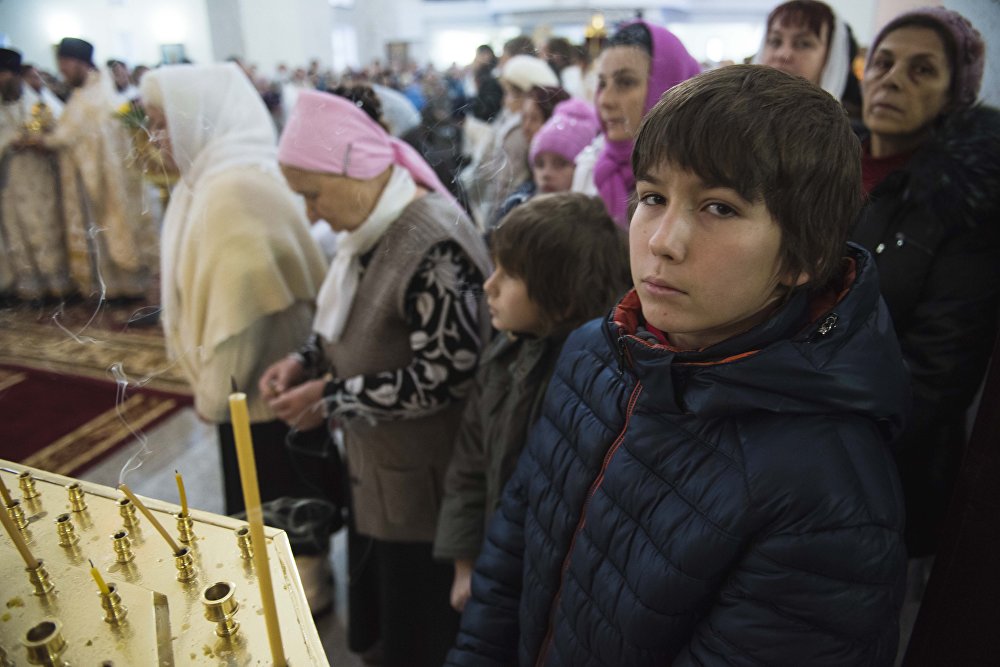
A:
[240,416]
[181,493]
[18,540]
[4,493]
[95,573]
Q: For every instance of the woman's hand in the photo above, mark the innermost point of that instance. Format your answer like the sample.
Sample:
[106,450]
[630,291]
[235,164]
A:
[461,586]
[279,377]
[300,407]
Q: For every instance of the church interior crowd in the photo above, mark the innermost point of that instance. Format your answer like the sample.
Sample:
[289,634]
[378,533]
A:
[598,356]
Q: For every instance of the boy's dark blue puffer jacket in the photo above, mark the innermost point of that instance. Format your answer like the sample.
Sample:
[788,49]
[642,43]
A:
[732,506]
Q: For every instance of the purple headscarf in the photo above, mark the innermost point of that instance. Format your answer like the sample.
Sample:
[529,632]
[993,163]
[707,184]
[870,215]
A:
[670,65]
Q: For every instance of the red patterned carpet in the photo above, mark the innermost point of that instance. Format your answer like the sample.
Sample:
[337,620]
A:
[61,408]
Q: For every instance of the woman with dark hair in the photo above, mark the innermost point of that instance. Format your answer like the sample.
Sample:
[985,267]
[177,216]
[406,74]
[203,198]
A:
[640,63]
[931,172]
[538,106]
[536,110]
[806,38]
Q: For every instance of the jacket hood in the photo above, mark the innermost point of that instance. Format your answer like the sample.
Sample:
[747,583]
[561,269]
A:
[956,173]
[828,356]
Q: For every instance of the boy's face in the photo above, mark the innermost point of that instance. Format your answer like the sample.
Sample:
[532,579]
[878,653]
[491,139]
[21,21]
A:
[705,262]
[511,309]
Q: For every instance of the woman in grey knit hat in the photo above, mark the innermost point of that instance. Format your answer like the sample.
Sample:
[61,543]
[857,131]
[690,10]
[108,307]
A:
[931,173]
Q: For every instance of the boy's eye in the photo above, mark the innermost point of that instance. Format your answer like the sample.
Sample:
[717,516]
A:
[651,200]
[721,210]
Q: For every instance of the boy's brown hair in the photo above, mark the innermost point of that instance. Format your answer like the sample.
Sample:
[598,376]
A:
[572,257]
[771,137]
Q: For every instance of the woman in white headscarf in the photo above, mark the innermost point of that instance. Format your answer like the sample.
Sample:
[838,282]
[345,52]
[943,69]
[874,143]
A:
[806,38]
[239,271]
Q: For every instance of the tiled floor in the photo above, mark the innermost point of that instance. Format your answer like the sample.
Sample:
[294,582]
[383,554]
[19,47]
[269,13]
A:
[186,444]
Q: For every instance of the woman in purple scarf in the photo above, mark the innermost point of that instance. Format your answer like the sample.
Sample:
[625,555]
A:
[641,62]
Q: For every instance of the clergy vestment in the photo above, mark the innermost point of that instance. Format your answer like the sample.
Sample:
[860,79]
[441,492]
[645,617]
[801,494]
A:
[31,219]
[108,228]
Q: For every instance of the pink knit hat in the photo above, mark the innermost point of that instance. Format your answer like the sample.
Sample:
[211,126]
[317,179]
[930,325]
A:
[571,128]
[329,134]
[970,51]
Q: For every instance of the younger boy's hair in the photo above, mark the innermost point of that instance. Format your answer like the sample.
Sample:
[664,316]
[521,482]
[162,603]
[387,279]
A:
[572,257]
[771,137]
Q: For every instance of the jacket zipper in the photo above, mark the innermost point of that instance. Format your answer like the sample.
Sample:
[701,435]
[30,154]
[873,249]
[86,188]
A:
[547,643]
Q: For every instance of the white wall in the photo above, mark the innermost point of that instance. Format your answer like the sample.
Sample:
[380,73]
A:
[290,31]
[131,30]
[985,15]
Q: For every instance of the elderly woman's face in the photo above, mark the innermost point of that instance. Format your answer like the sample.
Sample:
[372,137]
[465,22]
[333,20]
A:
[342,201]
[906,85]
[159,136]
[795,49]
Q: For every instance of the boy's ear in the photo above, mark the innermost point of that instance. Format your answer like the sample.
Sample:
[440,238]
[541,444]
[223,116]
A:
[789,279]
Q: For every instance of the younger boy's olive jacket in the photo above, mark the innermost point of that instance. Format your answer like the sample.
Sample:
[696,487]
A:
[510,384]
[737,505]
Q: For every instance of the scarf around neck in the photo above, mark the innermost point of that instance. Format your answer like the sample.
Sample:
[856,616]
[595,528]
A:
[669,65]
[336,295]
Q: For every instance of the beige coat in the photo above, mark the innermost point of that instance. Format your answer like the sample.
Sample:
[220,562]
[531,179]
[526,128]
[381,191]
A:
[247,274]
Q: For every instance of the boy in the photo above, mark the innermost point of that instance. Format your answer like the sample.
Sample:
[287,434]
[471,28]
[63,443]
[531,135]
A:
[709,481]
[560,261]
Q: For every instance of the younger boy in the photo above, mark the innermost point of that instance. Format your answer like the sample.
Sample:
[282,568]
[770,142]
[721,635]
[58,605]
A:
[560,261]
[709,481]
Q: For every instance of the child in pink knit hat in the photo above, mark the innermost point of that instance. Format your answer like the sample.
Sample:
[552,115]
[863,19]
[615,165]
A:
[554,147]
[553,152]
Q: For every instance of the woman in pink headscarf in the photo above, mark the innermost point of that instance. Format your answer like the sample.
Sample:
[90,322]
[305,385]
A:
[641,62]
[398,331]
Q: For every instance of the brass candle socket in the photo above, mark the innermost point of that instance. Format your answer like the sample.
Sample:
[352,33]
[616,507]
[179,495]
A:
[122,546]
[45,643]
[127,510]
[66,531]
[16,514]
[185,565]
[114,610]
[243,540]
[185,526]
[77,501]
[39,578]
[221,607]
[27,484]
